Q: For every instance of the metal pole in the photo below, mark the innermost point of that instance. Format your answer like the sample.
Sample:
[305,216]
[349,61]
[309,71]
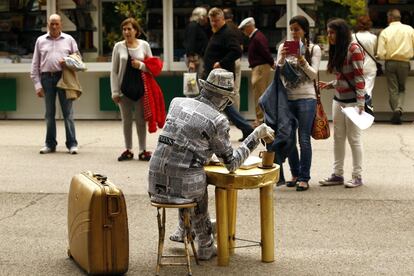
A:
[50,8]
[291,10]
[168,42]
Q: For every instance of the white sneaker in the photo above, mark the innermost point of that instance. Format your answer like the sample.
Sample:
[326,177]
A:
[354,182]
[73,150]
[46,149]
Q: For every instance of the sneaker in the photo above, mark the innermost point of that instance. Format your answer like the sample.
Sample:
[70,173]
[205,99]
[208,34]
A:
[354,182]
[126,155]
[145,156]
[46,149]
[73,150]
[206,253]
[332,180]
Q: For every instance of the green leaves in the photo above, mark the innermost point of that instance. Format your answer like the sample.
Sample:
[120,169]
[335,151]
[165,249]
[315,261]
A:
[356,8]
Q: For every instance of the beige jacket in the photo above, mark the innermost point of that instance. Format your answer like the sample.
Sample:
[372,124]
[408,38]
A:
[69,82]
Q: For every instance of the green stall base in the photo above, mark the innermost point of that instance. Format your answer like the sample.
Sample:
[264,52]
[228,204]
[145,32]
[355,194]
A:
[8,95]
[171,86]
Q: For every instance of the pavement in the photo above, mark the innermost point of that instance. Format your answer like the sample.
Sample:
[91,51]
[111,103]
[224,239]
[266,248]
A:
[324,231]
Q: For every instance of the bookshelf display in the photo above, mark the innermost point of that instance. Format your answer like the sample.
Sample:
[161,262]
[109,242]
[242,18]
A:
[23,21]
[81,25]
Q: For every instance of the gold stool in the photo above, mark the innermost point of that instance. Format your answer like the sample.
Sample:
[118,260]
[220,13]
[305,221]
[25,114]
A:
[188,238]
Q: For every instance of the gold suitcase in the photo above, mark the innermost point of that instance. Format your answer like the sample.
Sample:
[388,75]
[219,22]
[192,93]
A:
[97,225]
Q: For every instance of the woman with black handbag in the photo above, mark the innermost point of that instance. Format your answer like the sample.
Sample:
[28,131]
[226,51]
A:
[346,61]
[127,85]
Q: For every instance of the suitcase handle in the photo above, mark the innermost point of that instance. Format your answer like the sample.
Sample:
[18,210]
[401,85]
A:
[101,178]
[114,205]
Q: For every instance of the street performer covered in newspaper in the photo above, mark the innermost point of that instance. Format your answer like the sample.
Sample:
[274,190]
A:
[196,129]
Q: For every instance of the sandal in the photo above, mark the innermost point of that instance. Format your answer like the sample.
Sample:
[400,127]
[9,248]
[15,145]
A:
[126,155]
[145,155]
[300,188]
[292,183]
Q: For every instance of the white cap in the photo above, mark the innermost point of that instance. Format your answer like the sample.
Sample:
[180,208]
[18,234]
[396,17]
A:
[247,21]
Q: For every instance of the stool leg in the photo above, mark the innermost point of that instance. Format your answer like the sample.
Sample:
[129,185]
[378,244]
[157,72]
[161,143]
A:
[267,224]
[190,238]
[161,231]
[187,232]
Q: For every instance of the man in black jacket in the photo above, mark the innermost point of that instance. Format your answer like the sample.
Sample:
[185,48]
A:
[221,52]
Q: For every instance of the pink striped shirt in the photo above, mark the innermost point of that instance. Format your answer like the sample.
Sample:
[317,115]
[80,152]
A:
[353,70]
[48,52]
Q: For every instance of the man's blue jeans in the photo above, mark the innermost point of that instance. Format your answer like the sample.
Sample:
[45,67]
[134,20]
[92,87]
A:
[304,111]
[238,120]
[49,86]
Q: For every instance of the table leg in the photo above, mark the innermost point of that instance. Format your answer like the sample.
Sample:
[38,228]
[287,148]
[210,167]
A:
[267,223]
[222,227]
[232,207]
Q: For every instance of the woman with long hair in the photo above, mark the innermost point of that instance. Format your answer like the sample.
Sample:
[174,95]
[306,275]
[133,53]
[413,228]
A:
[302,97]
[346,61]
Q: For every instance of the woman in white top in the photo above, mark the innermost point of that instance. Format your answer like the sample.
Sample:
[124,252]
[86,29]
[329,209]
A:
[369,42]
[137,50]
[302,97]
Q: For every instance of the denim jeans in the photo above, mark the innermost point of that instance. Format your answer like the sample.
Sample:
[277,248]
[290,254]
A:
[304,111]
[238,120]
[49,86]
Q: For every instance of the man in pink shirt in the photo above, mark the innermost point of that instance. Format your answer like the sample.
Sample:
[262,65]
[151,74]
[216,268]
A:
[50,49]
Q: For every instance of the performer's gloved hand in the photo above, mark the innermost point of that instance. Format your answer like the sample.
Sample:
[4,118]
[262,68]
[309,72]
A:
[264,132]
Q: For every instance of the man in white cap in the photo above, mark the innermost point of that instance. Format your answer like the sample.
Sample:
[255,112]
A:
[260,60]
[195,129]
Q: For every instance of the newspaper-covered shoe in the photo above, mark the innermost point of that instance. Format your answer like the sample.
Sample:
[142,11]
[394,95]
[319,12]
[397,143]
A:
[177,235]
[206,253]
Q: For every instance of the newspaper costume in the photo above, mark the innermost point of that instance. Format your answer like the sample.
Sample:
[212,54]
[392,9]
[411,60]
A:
[195,129]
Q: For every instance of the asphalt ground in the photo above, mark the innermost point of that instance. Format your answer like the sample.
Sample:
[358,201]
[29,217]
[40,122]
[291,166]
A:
[324,231]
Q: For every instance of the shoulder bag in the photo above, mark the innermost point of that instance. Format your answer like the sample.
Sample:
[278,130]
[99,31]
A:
[368,101]
[380,72]
[132,85]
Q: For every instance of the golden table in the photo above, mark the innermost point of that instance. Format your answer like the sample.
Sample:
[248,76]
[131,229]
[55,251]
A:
[227,185]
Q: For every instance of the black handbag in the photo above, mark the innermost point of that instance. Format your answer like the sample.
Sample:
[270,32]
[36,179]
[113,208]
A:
[132,85]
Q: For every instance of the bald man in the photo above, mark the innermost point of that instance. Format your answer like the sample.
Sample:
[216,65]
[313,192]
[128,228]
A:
[396,47]
[50,49]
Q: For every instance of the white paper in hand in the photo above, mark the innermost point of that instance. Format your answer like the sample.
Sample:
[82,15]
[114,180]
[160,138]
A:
[363,120]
